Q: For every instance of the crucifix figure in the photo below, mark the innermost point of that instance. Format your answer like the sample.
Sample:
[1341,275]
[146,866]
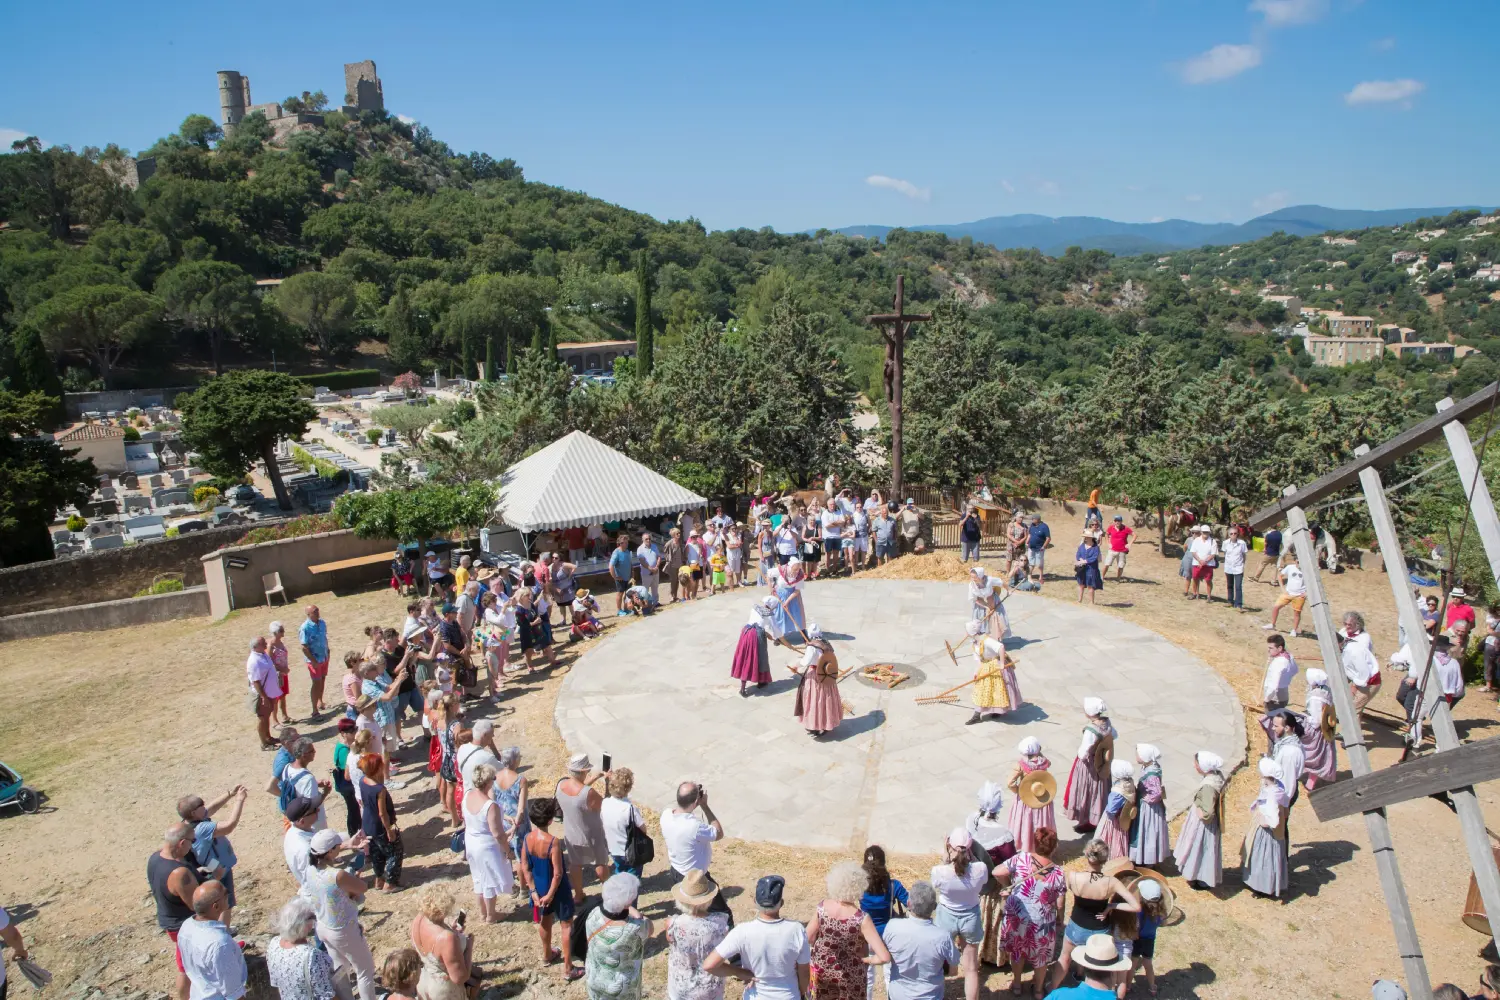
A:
[893,327]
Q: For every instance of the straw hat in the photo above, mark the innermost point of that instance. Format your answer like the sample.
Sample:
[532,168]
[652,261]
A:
[695,889]
[1119,867]
[1143,875]
[1037,789]
[1101,955]
[583,592]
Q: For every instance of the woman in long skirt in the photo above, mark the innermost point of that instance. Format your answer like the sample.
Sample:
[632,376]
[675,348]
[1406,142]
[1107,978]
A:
[752,659]
[790,617]
[1083,799]
[1320,761]
[991,835]
[1086,567]
[1200,851]
[1119,810]
[988,692]
[1149,844]
[819,707]
[1023,820]
[1265,855]
[987,596]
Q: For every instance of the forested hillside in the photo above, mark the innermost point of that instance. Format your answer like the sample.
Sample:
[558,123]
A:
[395,250]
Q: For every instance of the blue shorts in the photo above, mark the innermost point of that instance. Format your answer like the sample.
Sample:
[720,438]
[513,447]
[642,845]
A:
[886,549]
[620,867]
[832,545]
[410,699]
[1078,935]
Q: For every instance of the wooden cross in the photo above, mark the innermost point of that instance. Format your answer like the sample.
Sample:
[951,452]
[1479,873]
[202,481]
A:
[893,327]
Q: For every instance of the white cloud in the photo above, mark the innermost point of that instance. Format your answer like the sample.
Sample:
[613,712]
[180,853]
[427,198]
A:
[10,135]
[1158,218]
[1049,188]
[1220,63]
[900,186]
[1385,92]
[1009,187]
[1193,197]
[1282,13]
[1270,202]
[1382,45]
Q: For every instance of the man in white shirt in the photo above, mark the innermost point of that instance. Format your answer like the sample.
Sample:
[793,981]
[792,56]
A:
[1234,552]
[302,779]
[297,843]
[1295,594]
[832,523]
[265,687]
[690,840]
[649,557]
[921,952]
[212,959]
[480,751]
[773,953]
[1287,751]
[1204,550]
[1280,669]
[1449,671]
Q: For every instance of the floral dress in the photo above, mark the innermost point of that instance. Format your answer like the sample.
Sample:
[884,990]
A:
[689,940]
[838,958]
[301,972]
[1029,932]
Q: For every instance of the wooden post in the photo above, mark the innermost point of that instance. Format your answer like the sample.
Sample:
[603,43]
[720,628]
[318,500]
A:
[1465,802]
[895,372]
[1418,985]
[1470,476]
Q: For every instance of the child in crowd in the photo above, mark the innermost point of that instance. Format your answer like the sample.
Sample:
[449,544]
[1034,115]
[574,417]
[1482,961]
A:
[638,600]
[1153,912]
[585,612]
[734,543]
[719,563]
[352,682]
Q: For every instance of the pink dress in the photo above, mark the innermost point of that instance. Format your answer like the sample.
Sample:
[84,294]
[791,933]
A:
[838,968]
[1029,933]
[1114,829]
[1023,820]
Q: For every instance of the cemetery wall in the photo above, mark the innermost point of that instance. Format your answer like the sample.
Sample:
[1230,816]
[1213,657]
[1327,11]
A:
[191,603]
[79,403]
[111,574]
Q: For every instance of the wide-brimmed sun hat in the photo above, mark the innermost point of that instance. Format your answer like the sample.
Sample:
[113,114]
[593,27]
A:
[695,889]
[1037,789]
[1101,955]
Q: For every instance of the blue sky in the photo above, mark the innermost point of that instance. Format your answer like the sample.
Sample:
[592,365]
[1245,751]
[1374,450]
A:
[798,115]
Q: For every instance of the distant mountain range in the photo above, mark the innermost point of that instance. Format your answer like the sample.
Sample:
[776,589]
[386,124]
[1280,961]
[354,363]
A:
[1053,236]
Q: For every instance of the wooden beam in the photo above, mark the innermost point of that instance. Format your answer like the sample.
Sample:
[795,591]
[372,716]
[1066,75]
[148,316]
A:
[1482,505]
[1408,947]
[1399,446]
[899,318]
[1446,771]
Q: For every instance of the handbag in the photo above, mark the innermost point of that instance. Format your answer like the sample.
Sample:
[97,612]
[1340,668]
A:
[456,842]
[640,850]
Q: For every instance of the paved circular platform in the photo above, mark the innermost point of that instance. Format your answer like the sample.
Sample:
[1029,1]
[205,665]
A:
[659,698]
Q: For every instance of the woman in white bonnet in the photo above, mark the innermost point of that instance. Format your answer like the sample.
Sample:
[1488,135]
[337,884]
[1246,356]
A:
[1149,843]
[1199,852]
[1119,809]
[1088,781]
[1319,759]
[1264,867]
[992,836]
[1025,820]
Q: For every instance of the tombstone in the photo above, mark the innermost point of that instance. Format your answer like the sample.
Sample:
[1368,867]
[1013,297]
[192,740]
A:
[129,481]
[106,493]
[101,542]
[193,471]
[137,502]
[62,535]
[143,521]
[67,549]
[156,482]
[178,476]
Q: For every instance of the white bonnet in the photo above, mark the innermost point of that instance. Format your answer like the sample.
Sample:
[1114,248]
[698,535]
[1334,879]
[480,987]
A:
[1121,769]
[1030,746]
[1269,768]
[1208,760]
[1095,707]
[1147,753]
[974,627]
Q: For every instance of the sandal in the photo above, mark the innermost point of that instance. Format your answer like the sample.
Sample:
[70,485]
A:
[572,975]
[555,957]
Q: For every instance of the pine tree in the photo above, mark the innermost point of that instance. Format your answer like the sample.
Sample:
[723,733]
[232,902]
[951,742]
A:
[403,336]
[644,335]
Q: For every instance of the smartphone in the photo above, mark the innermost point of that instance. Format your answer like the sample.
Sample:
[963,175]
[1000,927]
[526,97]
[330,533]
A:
[606,761]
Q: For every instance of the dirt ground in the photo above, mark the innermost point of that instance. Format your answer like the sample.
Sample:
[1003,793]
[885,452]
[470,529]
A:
[114,726]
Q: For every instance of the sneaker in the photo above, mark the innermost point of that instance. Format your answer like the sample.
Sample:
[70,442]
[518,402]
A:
[1269,627]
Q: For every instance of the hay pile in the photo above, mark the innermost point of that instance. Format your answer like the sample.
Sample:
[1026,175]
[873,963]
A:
[944,566]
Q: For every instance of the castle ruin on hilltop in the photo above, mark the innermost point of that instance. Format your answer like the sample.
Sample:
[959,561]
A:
[362,92]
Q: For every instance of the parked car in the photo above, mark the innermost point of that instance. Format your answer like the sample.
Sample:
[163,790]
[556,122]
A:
[190,525]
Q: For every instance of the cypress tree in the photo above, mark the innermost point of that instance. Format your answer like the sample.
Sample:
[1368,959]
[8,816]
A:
[551,339]
[468,354]
[489,359]
[32,369]
[644,336]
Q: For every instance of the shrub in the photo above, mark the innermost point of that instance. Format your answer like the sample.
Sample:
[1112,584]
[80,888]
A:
[357,378]
[168,586]
[133,412]
[131,434]
[76,522]
[172,532]
[205,492]
[308,524]
[373,435]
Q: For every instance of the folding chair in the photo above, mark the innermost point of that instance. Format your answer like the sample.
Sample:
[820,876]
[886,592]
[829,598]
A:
[272,584]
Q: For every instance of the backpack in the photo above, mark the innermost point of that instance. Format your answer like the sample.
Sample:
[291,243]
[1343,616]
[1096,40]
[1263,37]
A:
[288,793]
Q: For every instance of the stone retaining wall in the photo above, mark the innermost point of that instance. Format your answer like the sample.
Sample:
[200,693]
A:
[191,603]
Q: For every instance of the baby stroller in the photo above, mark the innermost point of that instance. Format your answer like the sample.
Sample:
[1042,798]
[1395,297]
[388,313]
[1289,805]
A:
[15,792]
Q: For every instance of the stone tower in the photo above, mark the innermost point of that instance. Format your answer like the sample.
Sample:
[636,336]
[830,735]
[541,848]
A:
[362,87]
[234,95]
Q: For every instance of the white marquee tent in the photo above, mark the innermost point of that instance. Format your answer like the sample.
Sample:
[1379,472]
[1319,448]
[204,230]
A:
[578,480]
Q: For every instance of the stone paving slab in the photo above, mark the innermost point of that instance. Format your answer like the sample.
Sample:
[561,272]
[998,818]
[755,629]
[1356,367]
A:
[659,698]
